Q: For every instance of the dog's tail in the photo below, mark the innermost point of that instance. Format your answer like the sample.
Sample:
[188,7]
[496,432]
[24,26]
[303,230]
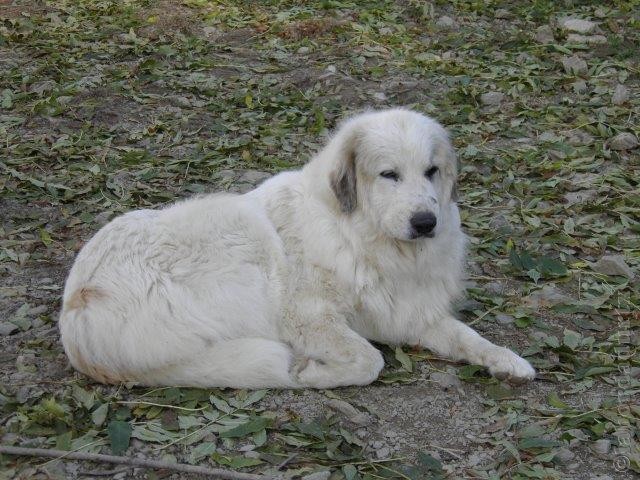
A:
[239,363]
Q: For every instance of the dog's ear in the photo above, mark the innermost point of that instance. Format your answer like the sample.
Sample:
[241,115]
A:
[451,170]
[343,178]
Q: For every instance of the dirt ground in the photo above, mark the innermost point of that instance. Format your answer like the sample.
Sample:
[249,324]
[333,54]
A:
[108,106]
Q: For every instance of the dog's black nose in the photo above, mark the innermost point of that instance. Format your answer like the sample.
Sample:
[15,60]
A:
[423,223]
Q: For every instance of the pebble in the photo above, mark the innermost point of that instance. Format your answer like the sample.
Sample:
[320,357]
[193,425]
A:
[613,265]
[602,446]
[7,328]
[502,13]
[446,22]
[500,222]
[544,34]
[586,39]
[303,50]
[574,65]
[383,453]
[547,296]
[581,196]
[323,475]
[620,95]
[253,176]
[445,380]
[381,96]
[623,141]
[579,139]
[564,456]
[38,310]
[579,86]
[578,25]
[504,319]
[492,98]
[494,287]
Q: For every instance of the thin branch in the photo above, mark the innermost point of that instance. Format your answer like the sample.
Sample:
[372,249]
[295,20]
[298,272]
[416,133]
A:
[133,462]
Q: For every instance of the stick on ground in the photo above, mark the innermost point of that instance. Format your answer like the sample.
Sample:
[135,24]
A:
[133,462]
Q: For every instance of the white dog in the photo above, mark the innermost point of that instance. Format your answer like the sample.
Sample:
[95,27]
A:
[285,285]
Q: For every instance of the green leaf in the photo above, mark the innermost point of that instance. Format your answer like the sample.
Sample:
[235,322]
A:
[260,438]
[235,462]
[549,266]
[201,451]
[430,463]
[571,339]
[554,400]
[119,436]
[404,359]
[254,425]
[537,442]
[499,392]
[254,397]
[468,372]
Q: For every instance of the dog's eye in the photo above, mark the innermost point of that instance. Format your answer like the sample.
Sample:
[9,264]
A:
[431,172]
[390,174]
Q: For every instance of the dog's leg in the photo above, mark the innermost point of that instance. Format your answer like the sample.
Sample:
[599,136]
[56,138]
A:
[452,338]
[329,353]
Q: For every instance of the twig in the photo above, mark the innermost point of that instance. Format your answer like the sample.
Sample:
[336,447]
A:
[450,451]
[134,462]
[287,461]
[103,473]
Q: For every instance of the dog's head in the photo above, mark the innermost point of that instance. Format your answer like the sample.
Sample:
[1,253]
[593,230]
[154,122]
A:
[398,168]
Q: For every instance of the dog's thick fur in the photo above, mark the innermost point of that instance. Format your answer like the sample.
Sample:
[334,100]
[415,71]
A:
[285,285]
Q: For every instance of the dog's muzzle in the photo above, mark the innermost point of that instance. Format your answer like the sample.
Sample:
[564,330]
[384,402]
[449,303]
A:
[422,224]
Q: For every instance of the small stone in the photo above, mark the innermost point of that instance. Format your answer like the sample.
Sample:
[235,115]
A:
[39,310]
[502,13]
[383,453]
[446,22]
[544,34]
[331,69]
[620,95]
[504,319]
[211,32]
[495,288]
[564,456]
[574,65]
[445,380]
[492,98]
[547,296]
[380,96]
[7,328]
[578,25]
[623,141]
[580,138]
[613,265]
[349,411]
[524,57]
[254,176]
[377,444]
[323,475]
[586,39]
[602,446]
[303,50]
[579,86]
[580,197]
[500,222]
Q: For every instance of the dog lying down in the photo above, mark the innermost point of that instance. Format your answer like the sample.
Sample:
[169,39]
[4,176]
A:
[284,286]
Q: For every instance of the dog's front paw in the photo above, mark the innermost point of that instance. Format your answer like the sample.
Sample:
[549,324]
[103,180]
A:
[506,365]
